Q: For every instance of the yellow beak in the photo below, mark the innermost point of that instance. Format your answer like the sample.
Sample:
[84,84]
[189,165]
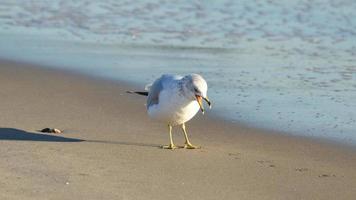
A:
[199,100]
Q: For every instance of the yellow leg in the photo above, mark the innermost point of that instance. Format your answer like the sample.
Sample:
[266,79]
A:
[171,145]
[188,145]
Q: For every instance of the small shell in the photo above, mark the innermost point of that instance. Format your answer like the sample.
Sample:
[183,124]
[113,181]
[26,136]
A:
[57,131]
[51,130]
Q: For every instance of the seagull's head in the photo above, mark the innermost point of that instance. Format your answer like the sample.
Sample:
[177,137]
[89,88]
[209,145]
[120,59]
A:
[196,89]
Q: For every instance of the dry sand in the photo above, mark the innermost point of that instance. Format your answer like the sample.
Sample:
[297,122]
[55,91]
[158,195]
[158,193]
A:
[110,149]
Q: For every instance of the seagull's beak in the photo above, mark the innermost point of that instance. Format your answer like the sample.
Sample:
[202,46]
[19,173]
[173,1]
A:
[200,102]
[207,101]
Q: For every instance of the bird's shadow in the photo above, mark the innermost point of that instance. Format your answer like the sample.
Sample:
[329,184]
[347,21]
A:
[125,143]
[21,135]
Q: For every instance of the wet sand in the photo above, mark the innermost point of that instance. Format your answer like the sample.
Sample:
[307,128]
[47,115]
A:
[110,148]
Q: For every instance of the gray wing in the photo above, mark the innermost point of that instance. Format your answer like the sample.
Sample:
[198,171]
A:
[157,87]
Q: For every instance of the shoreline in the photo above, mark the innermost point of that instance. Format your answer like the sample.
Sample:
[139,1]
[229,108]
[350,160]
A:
[119,155]
[131,85]
[249,100]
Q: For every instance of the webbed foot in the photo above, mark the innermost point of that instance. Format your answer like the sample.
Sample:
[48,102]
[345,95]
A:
[170,146]
[190,146]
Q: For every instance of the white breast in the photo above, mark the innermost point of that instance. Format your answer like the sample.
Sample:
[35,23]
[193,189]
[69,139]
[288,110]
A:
[173,108]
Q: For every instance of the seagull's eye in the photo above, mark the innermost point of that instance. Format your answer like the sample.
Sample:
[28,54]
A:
[196,90]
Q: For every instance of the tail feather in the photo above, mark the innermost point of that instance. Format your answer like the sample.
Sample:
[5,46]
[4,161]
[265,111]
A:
[148,87]
[138,92]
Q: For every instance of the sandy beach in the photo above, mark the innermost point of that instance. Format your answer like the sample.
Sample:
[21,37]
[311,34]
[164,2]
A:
[110,148]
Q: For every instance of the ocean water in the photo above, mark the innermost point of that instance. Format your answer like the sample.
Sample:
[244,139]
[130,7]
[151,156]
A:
[281,65]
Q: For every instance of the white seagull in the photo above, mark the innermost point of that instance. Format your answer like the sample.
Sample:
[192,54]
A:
[175,100]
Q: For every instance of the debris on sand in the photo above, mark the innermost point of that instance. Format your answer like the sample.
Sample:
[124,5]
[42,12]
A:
[51,130]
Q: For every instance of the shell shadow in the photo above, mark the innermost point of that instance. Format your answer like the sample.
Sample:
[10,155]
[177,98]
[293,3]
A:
[20,135]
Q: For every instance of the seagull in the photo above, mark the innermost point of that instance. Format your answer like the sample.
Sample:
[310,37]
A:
[174,100]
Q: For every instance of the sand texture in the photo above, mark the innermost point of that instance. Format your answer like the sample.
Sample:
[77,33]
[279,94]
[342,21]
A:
[109,149]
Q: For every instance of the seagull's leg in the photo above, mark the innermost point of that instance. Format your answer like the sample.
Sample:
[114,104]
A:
[188,145]
[171,145]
